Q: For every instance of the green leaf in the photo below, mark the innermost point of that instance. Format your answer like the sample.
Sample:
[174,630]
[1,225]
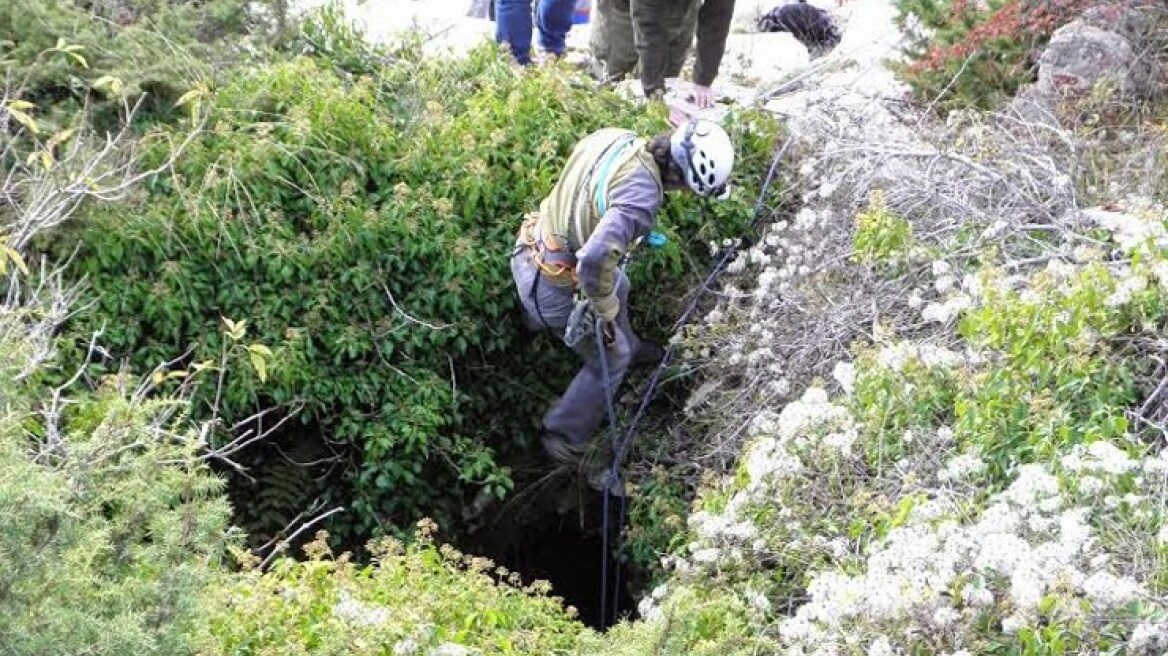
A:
[235,330]
[259,364]
[13,255]
[188,97]
[115,84]
[24,119]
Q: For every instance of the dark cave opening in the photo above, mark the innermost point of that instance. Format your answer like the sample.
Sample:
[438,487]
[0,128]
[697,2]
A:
[559,539]
[550,528]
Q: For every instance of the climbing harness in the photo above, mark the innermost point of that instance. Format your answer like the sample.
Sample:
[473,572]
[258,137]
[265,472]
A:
[548,253]
[620,443]
[555,258]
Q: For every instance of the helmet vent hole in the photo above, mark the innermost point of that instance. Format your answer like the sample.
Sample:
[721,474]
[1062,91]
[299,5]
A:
[702,168]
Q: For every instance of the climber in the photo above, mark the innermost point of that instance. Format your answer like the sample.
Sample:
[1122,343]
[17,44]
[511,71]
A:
[657,35]
[606,198]
[811,26]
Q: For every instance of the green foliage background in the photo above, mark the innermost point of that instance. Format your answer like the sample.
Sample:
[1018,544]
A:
[977,54]
[324,185]
[157,48]
[111,530]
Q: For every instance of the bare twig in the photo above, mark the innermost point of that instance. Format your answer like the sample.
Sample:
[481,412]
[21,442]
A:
[409,318]
[283,544]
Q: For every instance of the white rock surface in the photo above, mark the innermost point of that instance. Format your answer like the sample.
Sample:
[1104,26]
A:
[753,61]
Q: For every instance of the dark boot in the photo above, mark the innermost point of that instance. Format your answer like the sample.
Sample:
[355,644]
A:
[559,449]
[649,353]
[599,479]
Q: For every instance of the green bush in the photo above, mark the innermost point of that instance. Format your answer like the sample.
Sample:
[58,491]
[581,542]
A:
[415,599]
[657,514]
[361,224]
[112,524]
[58,52]
[1059,376]
[881,237]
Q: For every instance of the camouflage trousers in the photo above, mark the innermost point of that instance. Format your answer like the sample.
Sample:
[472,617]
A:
[657,33]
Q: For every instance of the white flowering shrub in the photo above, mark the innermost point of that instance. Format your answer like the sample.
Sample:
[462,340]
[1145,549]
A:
[1031,574]
[1058,372]
[905,385]
[986,487]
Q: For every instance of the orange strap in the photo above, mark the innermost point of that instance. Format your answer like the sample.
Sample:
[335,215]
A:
[549,243]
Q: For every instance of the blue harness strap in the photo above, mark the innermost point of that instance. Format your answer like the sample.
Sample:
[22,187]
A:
[606,171]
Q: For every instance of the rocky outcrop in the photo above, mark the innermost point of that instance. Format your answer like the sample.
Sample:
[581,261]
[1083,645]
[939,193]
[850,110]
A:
[1081,56]
[1108,49]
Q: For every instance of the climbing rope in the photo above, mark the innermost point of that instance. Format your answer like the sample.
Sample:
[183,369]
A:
[613,477]
[621,443]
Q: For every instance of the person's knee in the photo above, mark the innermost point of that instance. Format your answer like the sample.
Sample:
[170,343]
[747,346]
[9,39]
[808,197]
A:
[612,41]
[554,19]
[620,354]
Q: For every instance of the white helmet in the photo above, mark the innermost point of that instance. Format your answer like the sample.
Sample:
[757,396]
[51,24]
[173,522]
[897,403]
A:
[703,151]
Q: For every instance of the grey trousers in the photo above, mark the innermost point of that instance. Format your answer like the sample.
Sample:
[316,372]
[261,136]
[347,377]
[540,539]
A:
[578,413]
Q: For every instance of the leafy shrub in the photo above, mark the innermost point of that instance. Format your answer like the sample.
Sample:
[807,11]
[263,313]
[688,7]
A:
[882,237]
[59,51]
[656,520]
[978,53]
[414,599]
[112,524]
[362,224]
[1058,378]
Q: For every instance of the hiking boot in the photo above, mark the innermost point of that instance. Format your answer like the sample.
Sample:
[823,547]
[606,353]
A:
[598,479]
[559,449]
[649,352]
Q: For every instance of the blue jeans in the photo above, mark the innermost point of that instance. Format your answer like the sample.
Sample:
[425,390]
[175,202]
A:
[513,24]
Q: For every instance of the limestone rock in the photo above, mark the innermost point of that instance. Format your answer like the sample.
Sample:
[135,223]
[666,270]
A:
[1081,56]
[1106,48]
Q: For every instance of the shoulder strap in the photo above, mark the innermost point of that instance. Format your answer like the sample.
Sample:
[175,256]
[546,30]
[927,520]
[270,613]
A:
[614,155]
[606,157]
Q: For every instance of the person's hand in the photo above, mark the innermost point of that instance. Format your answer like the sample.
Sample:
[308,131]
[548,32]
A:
[702,96]
[606,307]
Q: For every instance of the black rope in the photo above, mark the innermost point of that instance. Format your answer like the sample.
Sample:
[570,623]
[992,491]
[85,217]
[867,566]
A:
[613,477]
[620,444]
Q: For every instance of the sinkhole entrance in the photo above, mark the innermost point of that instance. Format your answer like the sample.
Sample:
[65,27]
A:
[558,537]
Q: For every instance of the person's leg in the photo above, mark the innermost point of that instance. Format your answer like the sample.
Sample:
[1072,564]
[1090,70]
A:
[554,19]
[544,305]
[513,26]
[613,51]
[577,414]
[682,24]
